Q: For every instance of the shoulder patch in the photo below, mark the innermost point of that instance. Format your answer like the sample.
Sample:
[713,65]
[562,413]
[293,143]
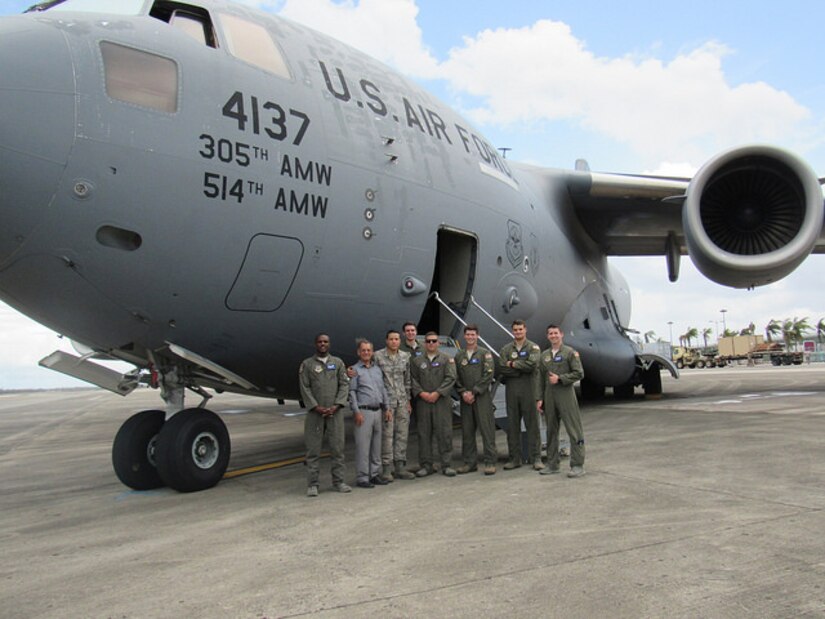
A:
[536,347]
[452,360]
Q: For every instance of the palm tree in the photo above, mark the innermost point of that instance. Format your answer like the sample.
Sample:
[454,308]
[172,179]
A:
[820,330]
[729,333]
[773,328]
[706,333]
[800,328]
[691,333]
[793,330]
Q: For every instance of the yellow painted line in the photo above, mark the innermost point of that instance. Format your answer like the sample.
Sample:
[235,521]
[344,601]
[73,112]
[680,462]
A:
[267,467]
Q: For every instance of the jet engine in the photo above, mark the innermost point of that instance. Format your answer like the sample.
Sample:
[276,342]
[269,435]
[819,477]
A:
[752,215]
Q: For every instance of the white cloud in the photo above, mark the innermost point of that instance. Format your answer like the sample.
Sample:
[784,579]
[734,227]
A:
[384,29]
[682,108]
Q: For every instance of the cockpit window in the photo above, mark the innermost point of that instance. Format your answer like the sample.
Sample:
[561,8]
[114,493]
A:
[193,21]
[121,7]
[252,43]
[138,77]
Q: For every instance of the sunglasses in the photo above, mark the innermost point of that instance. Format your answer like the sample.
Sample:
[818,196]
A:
[431,341]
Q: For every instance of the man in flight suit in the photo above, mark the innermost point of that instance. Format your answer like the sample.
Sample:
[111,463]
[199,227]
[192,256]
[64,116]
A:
[324,390]
[433,376]
[559,369]
[519,360]
[474,373]
[410,345]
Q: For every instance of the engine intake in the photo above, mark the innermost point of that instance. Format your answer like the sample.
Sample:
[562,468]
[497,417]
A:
[752,215]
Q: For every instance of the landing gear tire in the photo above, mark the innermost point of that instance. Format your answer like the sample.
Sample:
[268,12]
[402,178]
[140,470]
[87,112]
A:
[623,392]
[193,450]
[590,390]
[652,381]
[134,449]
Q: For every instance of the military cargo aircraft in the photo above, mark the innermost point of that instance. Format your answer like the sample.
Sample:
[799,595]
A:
[198,188]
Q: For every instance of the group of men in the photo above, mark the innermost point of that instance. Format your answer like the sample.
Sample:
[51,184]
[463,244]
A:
[384,386]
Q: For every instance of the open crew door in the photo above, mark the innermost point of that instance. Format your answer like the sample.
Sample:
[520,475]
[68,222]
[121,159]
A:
[453,277]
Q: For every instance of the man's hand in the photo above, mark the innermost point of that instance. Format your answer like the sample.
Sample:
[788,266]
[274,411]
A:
[358,418]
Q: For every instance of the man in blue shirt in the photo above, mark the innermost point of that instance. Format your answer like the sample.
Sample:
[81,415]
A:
[369,403]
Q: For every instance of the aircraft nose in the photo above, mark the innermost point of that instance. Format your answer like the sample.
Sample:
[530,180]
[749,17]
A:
[37,118]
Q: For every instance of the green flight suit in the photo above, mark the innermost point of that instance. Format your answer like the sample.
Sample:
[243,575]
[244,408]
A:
[474,373]
[438,375]
[560,403]
[326,385]
[413,352]
[520,382]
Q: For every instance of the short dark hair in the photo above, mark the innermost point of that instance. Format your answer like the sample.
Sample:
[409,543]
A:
[471,327]
[409,324]
[390,332]
[317,335]
[518,321]
[553,327]
[428,333]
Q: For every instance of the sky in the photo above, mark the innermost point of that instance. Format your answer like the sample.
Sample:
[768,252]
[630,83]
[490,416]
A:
[638,86]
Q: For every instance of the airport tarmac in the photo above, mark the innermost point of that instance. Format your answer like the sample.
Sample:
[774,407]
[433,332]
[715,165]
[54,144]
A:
[709,502]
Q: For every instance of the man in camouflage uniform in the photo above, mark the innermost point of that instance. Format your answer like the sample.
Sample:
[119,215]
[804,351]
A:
[519,360]
[474,373]
[433,376]
[559,369]
[395,364]
[324,390]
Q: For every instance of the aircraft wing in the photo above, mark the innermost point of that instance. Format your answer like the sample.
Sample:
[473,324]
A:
[747,218]
[629,215]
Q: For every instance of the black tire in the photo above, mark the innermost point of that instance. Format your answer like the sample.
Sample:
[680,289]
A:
[652,380]
[680,364]
[700,364]
[134,448]
[193,450]
[591,391]
[623,392]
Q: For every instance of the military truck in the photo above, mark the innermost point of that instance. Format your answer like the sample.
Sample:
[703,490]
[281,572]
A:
[685,357]
[755,350]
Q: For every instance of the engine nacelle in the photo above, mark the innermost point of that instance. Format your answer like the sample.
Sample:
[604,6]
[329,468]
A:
[752,215]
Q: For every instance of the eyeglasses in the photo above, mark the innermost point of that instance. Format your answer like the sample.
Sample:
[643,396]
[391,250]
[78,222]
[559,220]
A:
[431,341]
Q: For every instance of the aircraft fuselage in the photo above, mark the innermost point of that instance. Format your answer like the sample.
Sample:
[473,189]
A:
[161,190]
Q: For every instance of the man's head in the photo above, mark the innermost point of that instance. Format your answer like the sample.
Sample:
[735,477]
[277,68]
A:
[364,351]
[519,329]
[555,336]
[431,342]
[471,335]
[322,344]
[393,340]
[410,331]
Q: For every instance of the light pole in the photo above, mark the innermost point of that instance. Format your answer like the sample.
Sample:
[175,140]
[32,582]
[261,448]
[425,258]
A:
[724,324]
[670,326]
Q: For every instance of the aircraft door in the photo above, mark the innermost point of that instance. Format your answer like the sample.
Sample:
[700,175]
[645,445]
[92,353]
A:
[453,277]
